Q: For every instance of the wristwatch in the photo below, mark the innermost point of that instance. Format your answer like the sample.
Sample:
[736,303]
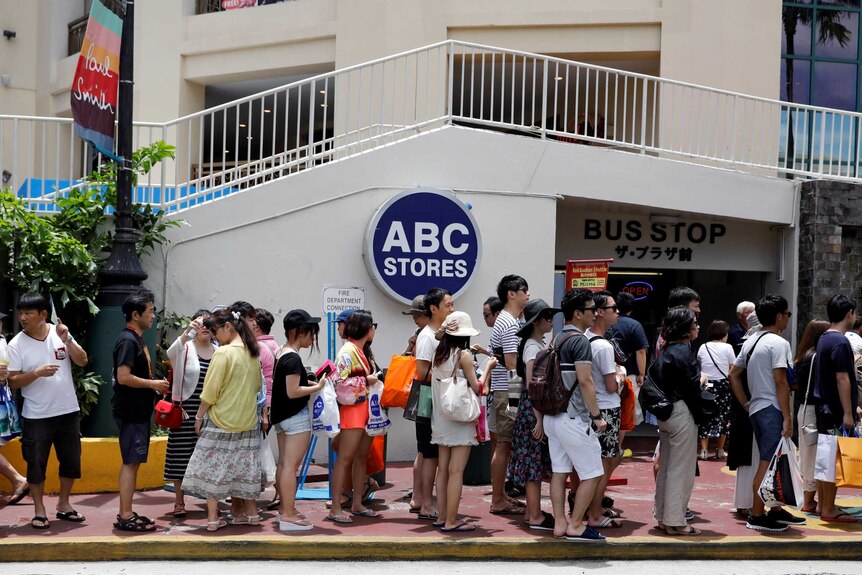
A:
[596,417]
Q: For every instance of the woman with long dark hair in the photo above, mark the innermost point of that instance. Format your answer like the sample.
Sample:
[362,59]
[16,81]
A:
[454,439]
[354,372]
[675,372]
[290,416]
[530,463]
[804,398]
[190,357]
[226,460]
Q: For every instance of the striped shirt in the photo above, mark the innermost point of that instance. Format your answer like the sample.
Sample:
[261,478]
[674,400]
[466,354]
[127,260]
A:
[504,339]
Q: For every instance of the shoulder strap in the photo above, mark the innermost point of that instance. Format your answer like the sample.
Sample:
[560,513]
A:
[567,335]
[595,337]
[721,371]
[808,387]
[750,351]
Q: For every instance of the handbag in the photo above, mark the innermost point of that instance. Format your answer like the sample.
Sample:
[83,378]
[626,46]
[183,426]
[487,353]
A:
[10,422]
[808,429]
[458,402]
[168,414]
[653,399]
[420,395]
[782,482]
[399,381]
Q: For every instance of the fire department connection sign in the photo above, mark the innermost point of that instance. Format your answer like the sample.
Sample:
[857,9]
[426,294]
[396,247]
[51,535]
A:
[422,239]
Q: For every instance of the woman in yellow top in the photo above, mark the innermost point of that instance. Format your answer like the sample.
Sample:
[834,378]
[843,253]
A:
[226,460]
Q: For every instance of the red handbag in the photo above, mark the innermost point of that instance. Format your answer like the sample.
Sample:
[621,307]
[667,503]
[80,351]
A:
[168,414]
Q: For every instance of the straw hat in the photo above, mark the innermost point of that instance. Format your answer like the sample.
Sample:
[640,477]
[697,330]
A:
[465,325]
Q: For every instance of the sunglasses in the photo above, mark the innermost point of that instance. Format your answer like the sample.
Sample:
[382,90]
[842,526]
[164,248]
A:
[486,315]
[587,309]
[613,307]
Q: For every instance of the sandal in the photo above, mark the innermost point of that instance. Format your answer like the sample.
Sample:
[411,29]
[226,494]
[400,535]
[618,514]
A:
[509,510]
[274,504]
[681,530]
[243,519]
[19,495]
[179,510]
[72,516]
[606,523]
[39,522]
[136,523]
[612,513]
[340,518]
[463,526]
[216,525]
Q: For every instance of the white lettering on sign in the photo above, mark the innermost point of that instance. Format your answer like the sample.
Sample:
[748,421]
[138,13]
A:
[425,238]
[430,268]
[339,299]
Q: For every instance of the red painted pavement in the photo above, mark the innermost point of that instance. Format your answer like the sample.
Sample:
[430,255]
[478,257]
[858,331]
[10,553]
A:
[711,501]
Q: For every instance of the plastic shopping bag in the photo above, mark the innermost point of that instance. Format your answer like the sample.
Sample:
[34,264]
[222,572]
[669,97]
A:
[824,461]
[324,409]
[782,482]
[10,422]
[378,421]
[267,463]
[399,381]
[482,432]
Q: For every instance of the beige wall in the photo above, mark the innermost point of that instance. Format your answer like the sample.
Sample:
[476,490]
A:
[699,41]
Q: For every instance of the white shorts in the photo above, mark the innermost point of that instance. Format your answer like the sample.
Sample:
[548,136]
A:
[299,423]
[573,445]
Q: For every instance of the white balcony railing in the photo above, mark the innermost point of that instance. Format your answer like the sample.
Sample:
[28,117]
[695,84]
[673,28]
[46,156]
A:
[244,143]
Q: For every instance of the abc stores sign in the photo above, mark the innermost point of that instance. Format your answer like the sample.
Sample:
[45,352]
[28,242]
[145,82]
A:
[422,239]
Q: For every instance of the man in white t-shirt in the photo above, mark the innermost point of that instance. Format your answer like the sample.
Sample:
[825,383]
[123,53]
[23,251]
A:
[769,406]
[40,365]
[604,372]
[438,305]
[514,293]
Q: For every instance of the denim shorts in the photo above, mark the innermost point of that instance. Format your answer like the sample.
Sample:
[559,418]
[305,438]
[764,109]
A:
[134,440]
[299,423]
[767,424]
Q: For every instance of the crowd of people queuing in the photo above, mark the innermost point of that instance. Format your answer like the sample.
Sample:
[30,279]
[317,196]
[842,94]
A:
[235,382]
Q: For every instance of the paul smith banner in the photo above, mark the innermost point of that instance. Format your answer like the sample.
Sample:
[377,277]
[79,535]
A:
[94,86]
[638,241]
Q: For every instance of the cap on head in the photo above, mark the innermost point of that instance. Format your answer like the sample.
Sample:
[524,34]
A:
[298,317]
[416,306]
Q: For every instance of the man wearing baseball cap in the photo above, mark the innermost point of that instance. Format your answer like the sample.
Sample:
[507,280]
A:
[417,312]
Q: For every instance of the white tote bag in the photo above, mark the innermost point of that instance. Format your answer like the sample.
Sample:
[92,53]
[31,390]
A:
[378,421]
[325,419]
[827,454]
[782,483]
[267,463]
[458,402]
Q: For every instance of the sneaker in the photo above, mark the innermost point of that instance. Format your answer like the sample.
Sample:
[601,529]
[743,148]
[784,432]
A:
[590,535]
[689,514]
[721,454]
[765,523]
[704,455]
[781,515]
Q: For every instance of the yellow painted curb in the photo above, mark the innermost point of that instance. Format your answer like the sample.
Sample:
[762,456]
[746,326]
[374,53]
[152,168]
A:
[100,465]
[134,547]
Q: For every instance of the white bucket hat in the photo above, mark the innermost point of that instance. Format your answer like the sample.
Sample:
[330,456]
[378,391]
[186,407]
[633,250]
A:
[465,325]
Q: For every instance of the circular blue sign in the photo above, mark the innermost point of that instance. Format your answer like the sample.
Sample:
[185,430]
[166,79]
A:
[422,239]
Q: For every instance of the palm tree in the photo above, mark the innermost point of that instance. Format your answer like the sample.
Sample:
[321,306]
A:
[829,28]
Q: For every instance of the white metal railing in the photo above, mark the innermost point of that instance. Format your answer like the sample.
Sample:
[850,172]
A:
[241,144]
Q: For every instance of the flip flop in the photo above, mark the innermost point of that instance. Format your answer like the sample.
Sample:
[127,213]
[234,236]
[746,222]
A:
[677,531]
[342,518]
[42,522]
[612,513]
[461,527]
[72,516]
[547,523]
[274,504]
[428,516]
[438,524]
[366,513]
[509,510]
[19,495]
[416,510]
[606,523]
[842,517]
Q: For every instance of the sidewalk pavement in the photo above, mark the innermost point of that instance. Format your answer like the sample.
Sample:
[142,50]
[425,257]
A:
[399,535]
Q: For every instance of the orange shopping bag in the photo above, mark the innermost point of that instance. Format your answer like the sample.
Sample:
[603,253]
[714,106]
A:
[848,466]
[399,379]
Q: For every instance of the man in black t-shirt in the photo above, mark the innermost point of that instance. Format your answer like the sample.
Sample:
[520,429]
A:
[835,391]
[135,392]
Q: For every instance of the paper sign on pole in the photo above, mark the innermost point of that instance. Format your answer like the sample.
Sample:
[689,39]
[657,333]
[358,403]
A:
[587,274]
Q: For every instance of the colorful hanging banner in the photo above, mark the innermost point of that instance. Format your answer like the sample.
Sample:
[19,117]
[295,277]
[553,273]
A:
[587,274]
[97,77]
